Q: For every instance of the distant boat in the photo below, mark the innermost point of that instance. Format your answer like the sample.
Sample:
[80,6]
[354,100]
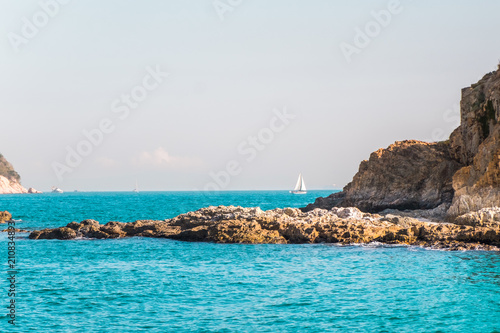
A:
[56,190]
[300,187]
[136,189]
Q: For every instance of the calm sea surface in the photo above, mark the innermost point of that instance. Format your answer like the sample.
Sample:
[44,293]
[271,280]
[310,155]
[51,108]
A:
[157,285]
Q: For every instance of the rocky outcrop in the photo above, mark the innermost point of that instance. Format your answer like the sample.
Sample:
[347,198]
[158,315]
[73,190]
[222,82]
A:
[31,190]
[9,178]
[284,226]
[5,216]
[406,175]
[462,173]
[476,143]
[10,187]
[485,217]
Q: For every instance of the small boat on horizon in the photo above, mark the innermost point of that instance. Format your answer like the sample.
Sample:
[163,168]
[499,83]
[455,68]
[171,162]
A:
[136,189]
[56,190]
[300,187]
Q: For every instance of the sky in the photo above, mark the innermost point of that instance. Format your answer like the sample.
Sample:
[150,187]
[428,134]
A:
[229,94]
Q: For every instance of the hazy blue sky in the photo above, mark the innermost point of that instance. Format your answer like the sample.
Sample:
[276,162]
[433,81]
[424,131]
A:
[225,78]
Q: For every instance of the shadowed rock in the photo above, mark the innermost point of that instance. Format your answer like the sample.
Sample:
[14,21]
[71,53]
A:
[407,175]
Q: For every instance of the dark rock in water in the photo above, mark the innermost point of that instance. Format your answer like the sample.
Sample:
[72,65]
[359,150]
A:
[288,226]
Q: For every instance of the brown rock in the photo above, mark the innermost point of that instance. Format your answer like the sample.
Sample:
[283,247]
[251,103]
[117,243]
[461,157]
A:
[476,143]
[58,233]
[462,173]
[250,225]
[407,175]
[5,216]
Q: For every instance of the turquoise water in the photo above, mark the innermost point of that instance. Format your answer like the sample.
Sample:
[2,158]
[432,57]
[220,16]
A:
[157,285]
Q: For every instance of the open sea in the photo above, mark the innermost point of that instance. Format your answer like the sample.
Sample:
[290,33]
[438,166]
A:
[158,285]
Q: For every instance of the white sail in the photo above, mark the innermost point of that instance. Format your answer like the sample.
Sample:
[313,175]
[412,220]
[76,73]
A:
[300,183]
[300,187]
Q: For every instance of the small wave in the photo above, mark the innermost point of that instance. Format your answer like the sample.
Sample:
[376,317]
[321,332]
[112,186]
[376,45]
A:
[376,245]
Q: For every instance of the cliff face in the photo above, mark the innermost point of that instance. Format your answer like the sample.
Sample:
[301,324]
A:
[476,143]
[9,178]
[407,175]
[463,172]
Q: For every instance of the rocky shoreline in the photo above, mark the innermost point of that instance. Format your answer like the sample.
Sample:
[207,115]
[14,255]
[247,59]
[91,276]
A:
[404,193]
[5,216]
[480,231]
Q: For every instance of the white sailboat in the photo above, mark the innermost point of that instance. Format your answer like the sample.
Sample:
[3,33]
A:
[136,189]
[300,187]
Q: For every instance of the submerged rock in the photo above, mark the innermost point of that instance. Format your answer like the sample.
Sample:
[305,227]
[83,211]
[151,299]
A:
[288,226]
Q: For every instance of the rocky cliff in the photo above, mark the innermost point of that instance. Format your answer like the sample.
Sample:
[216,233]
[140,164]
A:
[5,216]
[462,173]
[476,144]
[9,178]
[406,175]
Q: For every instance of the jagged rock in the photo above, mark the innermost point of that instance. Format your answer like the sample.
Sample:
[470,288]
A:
[407,175]
[5,216]
[16,230]
[10,187]
[58,233]
[483,217]
[31,190]
[436,214]
[476,143]
[252,225]
[462,173]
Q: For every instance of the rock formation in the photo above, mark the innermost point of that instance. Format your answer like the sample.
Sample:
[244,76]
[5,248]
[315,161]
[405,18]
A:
[9,178]
[252,225]
[5,216]
[476,144]
[462,173]
[406,175]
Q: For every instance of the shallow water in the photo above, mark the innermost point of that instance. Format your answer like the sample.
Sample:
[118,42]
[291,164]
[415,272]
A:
[158,285]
